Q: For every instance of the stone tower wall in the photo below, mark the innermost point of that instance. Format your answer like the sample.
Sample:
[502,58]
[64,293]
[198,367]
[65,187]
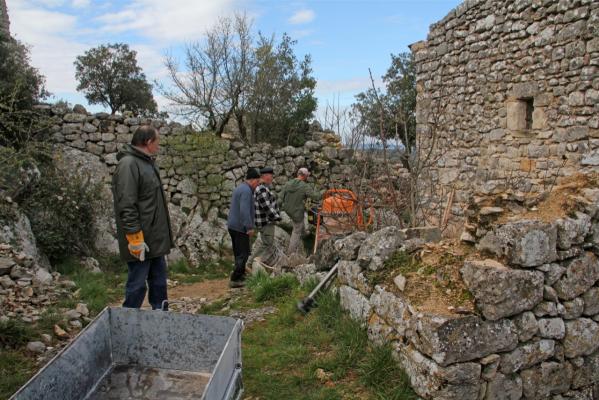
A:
[511,91]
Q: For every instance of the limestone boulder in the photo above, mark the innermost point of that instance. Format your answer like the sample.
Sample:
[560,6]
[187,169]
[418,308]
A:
[347,248]
[526,243]
[449,340]
[500,291]
[18,232]
[379,246]
[355,302]
[547,379]
[582,337]
[581,273]
[202,240]
[432,381]
[75,162]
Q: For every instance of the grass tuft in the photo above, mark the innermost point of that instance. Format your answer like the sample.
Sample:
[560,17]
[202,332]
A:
[264,288]
[378,368]
[14,334]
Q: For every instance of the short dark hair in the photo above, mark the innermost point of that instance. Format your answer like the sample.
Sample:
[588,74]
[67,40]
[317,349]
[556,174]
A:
[143,135]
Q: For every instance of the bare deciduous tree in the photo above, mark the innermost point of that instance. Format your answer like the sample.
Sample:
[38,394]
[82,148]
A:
[215,75]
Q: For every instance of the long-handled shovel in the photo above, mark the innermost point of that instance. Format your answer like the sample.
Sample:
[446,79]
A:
[308,303]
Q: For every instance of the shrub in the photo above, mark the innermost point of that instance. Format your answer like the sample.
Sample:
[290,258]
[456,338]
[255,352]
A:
[21,86]
[61,209]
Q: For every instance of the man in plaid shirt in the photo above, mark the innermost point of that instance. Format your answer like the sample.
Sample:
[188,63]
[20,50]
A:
[267,214]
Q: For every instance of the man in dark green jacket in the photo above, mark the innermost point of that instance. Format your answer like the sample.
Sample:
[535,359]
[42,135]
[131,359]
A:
[142,219]
[293,198]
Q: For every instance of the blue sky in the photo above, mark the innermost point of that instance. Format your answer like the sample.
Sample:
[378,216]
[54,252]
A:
[344,37]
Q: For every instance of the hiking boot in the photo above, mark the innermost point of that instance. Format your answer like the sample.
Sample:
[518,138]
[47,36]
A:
[236,284]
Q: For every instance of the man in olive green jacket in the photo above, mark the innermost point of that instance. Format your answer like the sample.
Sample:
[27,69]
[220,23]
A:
[142,219]
[293,198]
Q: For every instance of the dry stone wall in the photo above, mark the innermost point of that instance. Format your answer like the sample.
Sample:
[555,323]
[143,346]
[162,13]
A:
[535,334]
[199,171]
[511,88]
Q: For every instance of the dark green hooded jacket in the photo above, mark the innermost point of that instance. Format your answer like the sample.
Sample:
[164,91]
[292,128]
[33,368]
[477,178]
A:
[293,197]
[140,203]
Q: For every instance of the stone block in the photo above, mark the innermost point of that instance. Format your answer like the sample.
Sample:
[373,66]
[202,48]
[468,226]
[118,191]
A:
[75,118]
[582,337]
[581,273]
[393,309]
[355,302]
[449,340]
[500,291]
[526,326]
[379,332]
[572,309]
[547,379]
[552,328]
[527,243]
[431,381]
[527,355]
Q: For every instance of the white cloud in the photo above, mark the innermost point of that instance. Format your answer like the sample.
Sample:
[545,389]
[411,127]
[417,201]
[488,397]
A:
[81,3]
[302,17]
[50,37]
[173,20]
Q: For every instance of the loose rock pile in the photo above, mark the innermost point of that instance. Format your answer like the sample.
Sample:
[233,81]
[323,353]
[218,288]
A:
[25,287]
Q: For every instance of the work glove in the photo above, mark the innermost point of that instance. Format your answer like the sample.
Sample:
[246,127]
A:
[137,247]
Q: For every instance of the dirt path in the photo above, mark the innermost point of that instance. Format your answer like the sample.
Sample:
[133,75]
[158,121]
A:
[209,289]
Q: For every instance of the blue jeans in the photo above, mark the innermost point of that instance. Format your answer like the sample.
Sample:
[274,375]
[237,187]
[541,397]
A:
[153,271]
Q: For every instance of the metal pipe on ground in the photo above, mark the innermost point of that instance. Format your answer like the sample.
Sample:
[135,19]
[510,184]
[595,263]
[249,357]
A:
[310,301]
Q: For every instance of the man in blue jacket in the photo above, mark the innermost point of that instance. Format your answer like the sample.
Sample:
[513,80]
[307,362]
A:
[241,224]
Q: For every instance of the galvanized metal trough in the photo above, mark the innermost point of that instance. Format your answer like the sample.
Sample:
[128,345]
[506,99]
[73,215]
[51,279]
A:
[141,354]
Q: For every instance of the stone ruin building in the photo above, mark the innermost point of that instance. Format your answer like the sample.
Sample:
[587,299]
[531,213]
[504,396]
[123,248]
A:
[510,90]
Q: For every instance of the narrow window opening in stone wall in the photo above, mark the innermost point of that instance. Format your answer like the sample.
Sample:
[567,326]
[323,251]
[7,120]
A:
[529,103]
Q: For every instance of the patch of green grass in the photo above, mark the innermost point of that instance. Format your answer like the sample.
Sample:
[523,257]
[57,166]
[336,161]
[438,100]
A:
[283,354]
[263,287]
[14,334]
[378,368]
[15,369]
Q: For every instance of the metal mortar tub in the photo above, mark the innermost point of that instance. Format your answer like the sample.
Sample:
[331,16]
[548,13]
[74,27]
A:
[141,354]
